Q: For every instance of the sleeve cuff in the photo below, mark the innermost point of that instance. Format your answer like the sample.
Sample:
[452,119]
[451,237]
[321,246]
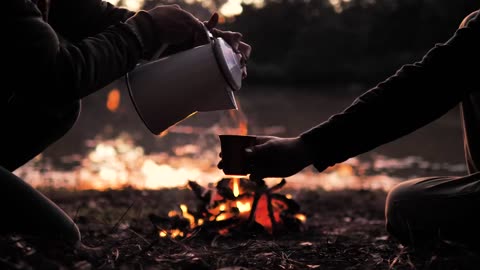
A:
[313,147]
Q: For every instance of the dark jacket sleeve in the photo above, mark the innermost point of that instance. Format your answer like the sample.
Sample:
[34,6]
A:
[415,96]
[44,70]
[77,19]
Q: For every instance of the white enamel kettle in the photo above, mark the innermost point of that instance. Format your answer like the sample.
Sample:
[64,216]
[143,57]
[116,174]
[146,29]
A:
[170,89]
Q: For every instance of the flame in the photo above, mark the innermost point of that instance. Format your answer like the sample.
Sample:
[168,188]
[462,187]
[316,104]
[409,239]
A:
[187,215]
[239,208]
[236,189]
[113,100]
[244,207]
[173,233]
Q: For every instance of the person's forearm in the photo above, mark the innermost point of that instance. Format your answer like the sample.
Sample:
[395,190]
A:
[44,70]
[78,19]
[83,67]
[415,96]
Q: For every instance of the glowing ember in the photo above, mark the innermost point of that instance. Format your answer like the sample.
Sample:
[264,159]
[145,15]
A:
[221,217]
[172,234]
[301,217]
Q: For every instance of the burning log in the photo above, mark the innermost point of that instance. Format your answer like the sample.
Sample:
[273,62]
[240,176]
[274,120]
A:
[235,206]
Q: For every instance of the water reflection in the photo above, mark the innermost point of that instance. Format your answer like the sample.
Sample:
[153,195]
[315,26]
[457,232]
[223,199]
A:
[116,163]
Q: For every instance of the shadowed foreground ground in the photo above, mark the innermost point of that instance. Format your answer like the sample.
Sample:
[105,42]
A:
[345,230]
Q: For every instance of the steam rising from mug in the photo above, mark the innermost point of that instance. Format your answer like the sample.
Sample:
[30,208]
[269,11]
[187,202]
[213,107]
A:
[168,90]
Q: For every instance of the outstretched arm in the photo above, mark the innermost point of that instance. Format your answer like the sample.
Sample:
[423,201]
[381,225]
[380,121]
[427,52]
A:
[415,96]
[78,19]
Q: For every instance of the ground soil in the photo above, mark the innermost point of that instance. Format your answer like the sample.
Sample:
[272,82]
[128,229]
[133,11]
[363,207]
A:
[345,230]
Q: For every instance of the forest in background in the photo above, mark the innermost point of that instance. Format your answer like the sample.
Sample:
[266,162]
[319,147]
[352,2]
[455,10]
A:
[324,42]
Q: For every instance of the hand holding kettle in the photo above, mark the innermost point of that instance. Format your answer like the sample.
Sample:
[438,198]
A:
[234,39]
[167,25]
[180,30]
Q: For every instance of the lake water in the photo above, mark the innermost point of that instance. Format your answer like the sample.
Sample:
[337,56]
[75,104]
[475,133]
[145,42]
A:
[115,148]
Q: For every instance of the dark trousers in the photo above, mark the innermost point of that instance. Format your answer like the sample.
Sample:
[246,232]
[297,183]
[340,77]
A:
[26,133]
[423,211]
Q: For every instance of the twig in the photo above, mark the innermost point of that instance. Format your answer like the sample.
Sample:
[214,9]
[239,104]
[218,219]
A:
[156,241]
[271,215]
[139,236]
[251,218]
[121,218]
[278,186]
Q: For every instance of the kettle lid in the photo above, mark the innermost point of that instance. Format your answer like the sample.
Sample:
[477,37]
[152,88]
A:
[229,63]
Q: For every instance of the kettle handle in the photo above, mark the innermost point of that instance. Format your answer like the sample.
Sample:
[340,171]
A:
[209,34]
[162,49]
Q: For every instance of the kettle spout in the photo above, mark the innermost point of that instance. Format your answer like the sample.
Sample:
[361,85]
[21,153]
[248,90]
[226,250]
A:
[219,99]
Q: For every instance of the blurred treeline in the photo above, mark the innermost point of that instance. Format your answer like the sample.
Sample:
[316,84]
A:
[312,42]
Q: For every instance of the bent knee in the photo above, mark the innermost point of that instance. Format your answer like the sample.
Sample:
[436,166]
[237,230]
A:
[402,192]
[75,236]
[399,204]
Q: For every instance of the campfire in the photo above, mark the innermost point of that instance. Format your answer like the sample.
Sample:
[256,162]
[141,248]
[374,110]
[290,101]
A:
[235,206]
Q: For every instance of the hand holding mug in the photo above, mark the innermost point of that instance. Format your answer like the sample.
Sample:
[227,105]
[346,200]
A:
[266,156]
